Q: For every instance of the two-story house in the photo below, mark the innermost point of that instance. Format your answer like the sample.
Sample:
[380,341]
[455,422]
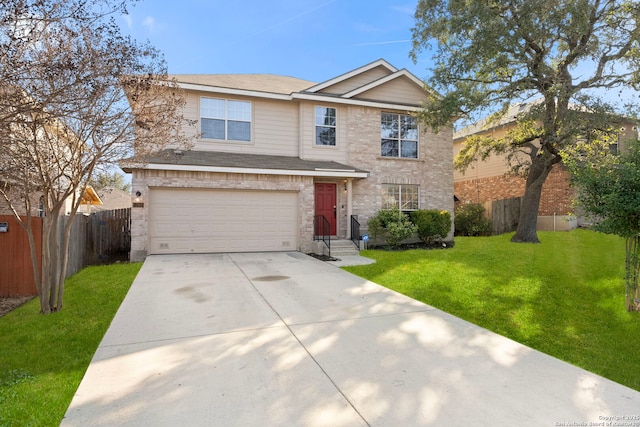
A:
[488,181]
[273,154]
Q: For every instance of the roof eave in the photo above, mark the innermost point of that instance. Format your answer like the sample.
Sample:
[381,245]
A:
[128,167]
[234,91]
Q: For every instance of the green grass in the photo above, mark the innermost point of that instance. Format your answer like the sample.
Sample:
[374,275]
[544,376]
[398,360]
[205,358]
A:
[43,358]
[564,296]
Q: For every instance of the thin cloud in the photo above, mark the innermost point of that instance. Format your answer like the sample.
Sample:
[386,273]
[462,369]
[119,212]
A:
[149,23]
[293,18]
[408,10]
[129,20]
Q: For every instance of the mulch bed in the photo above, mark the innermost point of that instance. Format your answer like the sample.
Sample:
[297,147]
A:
[10,304]
[323,257]
[417,245]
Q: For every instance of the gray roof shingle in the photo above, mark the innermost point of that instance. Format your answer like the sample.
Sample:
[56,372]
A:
[248,161]
[269,83]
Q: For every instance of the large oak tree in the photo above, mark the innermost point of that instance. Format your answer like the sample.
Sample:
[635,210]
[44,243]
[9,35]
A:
[489,55]
[70,83]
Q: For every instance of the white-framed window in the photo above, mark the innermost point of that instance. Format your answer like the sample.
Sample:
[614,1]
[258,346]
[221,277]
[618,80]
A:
[225,119]
[400,196]
[399,133]
[325,125]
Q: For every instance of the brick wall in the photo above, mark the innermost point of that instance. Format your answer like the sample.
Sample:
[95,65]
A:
[144,180]
[557,195]
[432,171]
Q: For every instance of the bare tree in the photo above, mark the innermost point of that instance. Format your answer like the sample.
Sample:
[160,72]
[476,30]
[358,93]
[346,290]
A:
[70,84]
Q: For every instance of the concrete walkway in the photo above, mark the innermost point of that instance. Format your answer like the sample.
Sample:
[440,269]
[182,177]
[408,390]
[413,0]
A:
[282,339]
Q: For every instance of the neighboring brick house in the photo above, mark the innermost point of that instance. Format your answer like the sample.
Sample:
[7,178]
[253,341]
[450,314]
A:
[490,180]
[276,152]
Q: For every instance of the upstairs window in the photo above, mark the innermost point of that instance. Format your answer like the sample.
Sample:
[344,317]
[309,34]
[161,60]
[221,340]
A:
[403,197]
[325,126]
[225,119]
[399,136]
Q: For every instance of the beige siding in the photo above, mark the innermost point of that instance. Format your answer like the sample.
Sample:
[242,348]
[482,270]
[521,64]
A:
[357,81]
[274,127]
[308,148]
[493,166]
[401,90]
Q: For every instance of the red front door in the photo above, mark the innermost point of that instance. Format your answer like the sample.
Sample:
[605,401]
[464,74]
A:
[326,204]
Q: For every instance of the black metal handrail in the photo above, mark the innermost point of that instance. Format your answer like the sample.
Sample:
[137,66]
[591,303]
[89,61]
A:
[355,231]
[322,230]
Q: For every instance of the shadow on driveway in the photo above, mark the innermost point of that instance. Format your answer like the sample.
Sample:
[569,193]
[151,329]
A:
[282,339]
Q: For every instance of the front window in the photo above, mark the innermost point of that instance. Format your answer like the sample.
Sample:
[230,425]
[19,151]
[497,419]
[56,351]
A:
[325,126]
[399,134]
[400,196]
[225,119]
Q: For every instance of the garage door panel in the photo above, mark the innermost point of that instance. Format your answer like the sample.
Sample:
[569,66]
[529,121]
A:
[196,221]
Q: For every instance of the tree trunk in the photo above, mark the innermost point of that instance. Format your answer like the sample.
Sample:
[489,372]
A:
[633,273]
[44,291]
[50,290]
[64,259]
[528,220]
[52,274]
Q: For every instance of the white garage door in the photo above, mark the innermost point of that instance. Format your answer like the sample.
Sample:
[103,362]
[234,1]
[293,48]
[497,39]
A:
[201,221]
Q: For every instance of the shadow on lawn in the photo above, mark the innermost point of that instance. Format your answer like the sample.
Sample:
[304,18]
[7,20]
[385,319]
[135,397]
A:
[564,297]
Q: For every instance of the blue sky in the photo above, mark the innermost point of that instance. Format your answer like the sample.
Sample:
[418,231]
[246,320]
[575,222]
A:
[309,39]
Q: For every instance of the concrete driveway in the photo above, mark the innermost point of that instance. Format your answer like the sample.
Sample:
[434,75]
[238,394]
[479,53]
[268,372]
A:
[282,339]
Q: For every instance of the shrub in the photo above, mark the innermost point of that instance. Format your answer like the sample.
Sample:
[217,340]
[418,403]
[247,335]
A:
[433,225]
[470,220]
[396,224]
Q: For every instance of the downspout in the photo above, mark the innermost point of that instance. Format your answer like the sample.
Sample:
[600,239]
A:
[349,205]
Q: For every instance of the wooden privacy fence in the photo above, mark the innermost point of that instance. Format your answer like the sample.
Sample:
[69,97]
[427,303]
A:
[104,238]
[16,269]
[100,238]
[504,214]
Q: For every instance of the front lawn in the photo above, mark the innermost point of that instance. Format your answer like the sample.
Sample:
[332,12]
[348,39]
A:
[564,296]
[43,358]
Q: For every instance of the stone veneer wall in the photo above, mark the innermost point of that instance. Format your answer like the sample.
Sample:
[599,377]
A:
[432,171]
[557,194]
[144,180]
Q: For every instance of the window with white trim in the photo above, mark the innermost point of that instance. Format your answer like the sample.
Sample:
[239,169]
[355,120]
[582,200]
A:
[325,126]
[225,119]
[400,196]
[399,134]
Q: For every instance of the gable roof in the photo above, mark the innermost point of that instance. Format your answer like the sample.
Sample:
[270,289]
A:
[90,196]
[397,75]
[347,88]
[339,79]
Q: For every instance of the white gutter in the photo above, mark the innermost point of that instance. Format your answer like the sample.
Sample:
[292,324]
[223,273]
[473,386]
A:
[237,92]
[337,173]
[351,101]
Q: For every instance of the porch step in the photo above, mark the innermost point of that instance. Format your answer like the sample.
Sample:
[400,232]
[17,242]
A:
[343,248]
